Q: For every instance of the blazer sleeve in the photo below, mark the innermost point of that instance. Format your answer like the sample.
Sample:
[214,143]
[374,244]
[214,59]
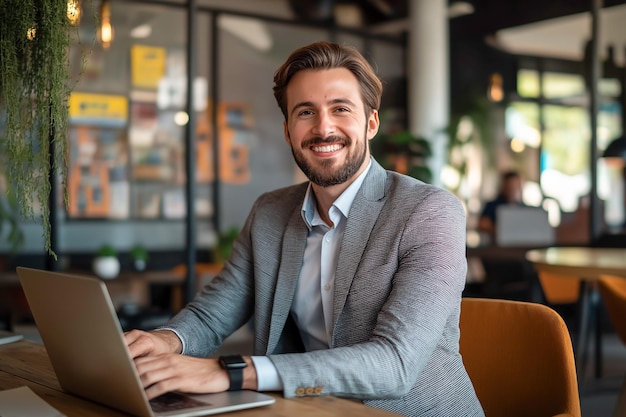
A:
[223,305]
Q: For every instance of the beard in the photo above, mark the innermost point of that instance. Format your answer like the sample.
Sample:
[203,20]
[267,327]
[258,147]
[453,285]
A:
[327,175]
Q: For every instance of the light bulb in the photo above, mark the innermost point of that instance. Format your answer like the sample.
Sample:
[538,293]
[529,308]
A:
[106,29]
[73,12]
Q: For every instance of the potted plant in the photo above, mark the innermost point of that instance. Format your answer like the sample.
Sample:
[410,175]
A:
[139,255]
[225,242]
[106,265]
[403,152]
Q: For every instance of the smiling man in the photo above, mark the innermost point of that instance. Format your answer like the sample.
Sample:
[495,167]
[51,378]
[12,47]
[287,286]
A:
[354,278]
[328,128]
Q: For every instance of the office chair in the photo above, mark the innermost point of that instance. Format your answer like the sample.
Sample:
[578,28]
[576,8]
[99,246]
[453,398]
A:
[519,357]
[562,293]
[559,289]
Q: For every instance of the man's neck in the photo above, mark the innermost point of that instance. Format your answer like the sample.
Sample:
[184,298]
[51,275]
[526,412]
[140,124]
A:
[326,196]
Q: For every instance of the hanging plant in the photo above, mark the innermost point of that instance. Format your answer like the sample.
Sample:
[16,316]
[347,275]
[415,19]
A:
[34,90]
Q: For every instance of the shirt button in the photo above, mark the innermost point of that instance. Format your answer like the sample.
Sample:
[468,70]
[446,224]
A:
[300,391]
[309,391]
[327,239]
[327,287]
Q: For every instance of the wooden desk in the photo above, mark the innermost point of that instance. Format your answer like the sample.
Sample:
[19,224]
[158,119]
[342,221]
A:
[586,264]
[26,363]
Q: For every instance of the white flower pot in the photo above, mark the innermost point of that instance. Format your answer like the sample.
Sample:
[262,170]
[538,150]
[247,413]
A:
[106,267]
[140,264]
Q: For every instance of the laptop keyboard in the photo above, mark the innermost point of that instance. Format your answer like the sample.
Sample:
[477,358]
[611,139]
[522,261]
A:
[173,401]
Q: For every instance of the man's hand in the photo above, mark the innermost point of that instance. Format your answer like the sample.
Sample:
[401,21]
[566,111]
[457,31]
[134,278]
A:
[157,342]
[173,372]
[162,369]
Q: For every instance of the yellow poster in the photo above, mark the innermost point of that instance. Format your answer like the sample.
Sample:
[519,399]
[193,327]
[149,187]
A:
[98,109]
[147,66]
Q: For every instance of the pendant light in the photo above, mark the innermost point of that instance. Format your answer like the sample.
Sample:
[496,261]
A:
[105,32]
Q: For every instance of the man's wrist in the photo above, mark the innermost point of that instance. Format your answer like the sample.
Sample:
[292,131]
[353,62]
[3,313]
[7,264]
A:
[175,345]
[267,377]
[250,380]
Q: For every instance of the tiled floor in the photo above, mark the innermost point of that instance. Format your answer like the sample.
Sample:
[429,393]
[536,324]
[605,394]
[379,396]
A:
[598,396]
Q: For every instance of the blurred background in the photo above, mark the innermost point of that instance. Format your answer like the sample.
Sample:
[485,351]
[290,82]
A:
[471,89]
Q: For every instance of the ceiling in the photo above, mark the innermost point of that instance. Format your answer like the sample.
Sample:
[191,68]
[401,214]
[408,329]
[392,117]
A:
[566,37]
[489,16]
[557,28]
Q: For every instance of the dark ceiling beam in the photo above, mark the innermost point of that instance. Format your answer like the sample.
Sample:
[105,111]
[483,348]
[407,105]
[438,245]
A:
[493,15]
[489,15]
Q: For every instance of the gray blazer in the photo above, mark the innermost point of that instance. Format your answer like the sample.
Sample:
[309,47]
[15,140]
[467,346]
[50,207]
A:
[398,284]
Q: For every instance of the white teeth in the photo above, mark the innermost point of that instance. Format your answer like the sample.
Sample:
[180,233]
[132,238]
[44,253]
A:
[327,148]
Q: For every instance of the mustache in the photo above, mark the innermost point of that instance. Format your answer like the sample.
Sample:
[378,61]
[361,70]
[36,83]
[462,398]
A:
[328,140]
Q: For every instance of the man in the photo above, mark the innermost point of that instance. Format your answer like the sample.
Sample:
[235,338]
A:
[354,278]
[510,193]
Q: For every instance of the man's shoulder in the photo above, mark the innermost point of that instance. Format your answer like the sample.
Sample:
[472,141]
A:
[293,193]
[404,184]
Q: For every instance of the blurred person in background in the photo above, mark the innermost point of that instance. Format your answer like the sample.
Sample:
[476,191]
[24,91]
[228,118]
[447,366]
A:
[511,185]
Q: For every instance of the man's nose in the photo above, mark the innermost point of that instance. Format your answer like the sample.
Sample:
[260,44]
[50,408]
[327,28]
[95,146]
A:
[324,125]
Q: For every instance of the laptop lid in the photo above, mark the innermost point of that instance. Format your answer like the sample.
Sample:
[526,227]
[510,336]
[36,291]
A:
[523,226]
[84,340]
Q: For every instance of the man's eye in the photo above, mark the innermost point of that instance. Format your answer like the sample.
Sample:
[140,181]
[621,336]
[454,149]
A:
[342,109]
[305,113]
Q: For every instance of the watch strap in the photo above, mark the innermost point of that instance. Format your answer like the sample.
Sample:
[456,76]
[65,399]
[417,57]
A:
[234,364]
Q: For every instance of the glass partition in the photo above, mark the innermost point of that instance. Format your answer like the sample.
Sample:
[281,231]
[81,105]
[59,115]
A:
[128,122]
[554,118]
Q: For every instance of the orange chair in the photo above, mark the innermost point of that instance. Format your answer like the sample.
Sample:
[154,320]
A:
[519,357]
[613,292]
[559,289]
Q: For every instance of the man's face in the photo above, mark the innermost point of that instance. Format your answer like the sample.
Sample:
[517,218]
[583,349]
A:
[327,128]
[513,189]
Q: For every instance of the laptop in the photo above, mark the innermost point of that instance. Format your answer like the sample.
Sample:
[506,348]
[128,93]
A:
[523,226]
[84,340]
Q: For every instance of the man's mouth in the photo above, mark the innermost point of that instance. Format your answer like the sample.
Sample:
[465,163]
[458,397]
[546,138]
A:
[327,148]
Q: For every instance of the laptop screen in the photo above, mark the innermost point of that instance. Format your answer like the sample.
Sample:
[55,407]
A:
[523,226]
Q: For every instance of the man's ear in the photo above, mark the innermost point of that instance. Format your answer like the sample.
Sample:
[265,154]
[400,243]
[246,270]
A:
[286,133]
[372,124]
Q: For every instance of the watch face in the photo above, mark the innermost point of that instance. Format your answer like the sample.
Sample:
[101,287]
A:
[233,362]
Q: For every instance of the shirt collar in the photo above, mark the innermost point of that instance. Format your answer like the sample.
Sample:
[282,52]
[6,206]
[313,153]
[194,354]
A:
[343,203]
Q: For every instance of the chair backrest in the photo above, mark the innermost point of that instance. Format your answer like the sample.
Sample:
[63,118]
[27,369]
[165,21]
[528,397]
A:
[558,288]
[519,357]
[613,292]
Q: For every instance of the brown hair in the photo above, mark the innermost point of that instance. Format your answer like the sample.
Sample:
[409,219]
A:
[328,55]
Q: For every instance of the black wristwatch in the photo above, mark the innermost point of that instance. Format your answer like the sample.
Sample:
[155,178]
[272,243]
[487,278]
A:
[234,364]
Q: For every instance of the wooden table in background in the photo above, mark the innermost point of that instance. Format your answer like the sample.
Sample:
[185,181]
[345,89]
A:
[585,262]
[26,363]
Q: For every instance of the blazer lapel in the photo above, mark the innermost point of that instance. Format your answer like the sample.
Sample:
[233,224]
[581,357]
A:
[363,215]
[293,245]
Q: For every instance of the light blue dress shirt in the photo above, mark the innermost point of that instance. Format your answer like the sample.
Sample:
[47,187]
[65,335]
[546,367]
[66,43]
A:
[312,307]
